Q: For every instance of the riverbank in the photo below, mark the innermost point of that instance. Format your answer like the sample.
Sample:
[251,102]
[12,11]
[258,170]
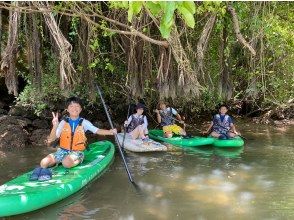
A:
[21,127]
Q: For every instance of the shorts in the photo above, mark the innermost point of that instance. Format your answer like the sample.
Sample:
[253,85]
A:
[61,153]
[172,128]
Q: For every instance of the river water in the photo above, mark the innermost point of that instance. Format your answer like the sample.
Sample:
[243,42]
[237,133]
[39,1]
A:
[252,182]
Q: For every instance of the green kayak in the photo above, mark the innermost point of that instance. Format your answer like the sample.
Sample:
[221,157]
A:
[180,141]
[21,195]
[232,142]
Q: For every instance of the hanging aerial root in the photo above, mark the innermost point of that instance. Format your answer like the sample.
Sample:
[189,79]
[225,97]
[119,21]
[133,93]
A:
[66,68]
[8,61]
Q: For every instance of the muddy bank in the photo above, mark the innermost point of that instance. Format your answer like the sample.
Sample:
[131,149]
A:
[21,127]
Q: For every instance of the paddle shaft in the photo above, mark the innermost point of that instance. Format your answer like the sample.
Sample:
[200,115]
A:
[125,128]
[116,138]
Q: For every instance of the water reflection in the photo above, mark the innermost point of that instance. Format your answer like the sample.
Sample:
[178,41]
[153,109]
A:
[251,182]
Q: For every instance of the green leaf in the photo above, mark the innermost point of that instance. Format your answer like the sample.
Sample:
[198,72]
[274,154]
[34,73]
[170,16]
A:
[153,7]
[187,16]
[167,19]
[164,30]
[137,6]
[190,5]
[130,13]
[169,10]
[134,9]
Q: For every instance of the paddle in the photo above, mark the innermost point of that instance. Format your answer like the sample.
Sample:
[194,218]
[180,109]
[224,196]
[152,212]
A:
[125,127]
[116,138]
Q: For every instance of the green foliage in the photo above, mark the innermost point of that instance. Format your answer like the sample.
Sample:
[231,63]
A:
[167,19]
[268,26]
[74,28]
[164,10]
[134,9]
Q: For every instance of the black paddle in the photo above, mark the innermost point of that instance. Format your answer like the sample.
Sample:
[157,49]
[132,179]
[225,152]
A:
[116,138]
[125,127]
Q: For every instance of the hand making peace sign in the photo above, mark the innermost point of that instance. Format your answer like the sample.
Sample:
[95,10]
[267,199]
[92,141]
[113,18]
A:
[55,120]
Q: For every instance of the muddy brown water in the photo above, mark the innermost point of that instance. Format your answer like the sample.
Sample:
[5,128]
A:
[252,182]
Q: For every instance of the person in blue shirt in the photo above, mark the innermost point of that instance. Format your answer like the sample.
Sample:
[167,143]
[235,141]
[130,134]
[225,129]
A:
[222,125]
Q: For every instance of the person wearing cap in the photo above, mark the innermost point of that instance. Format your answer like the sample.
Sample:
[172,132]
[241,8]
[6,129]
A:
[137,123]
[165,117]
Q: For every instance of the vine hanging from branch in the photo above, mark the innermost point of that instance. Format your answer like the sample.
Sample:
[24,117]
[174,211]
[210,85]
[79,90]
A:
[66,68]
[8,61]
[237,31]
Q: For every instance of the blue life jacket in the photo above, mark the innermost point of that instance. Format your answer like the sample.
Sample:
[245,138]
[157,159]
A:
[135,122]
[167,118]
[220,126]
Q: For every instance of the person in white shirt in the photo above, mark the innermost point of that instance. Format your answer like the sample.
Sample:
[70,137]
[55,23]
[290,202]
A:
[137,123]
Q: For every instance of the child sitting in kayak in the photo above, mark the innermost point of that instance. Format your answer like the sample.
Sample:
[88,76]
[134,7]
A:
[165,117]
[137,123]
[222,125]
[72,140]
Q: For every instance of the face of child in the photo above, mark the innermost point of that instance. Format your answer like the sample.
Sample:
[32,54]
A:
[162,106]
[223,110]
[74,110]
[140,111]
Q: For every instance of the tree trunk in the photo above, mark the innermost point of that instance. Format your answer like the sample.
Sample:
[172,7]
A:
[202,45]
[66,68]
[85,58]
[225,82]
[34,53]
[237,31]
[188,84]
[8,61]
[0,31]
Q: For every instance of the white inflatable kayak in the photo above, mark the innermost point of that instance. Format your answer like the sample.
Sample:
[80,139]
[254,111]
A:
[139,146]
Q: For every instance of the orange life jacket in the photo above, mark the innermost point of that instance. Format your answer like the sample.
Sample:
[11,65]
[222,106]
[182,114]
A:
[73,140]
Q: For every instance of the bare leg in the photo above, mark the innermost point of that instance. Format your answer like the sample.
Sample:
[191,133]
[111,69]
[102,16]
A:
[214,134]
[231,135]
[183,132]
[141,132]
[135,133]
[48,161]
[168,134]
[70,161]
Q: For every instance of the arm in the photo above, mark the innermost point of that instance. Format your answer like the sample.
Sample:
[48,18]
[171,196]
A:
[209,128]
[233,128]
[158,117]
[145,125]
[106,132]
[52,137]
[88,126]
[127,122]
[178,117]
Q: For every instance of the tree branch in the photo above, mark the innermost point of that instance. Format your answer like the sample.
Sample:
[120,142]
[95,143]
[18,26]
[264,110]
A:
[236,26]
